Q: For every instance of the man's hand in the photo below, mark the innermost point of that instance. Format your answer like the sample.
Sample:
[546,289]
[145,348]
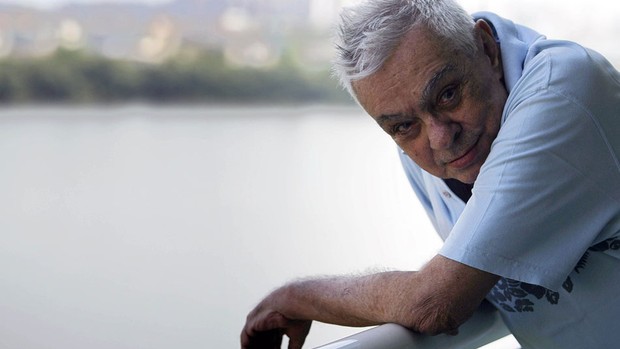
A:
[265,327]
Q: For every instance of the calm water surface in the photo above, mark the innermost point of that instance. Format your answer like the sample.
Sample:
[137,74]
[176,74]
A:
[161,227]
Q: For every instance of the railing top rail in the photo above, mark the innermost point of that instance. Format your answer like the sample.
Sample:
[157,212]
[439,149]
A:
[484,327]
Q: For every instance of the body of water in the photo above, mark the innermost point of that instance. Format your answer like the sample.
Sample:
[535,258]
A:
[161,227]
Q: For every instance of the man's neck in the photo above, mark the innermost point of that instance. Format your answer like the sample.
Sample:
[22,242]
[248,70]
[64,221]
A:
[462,190]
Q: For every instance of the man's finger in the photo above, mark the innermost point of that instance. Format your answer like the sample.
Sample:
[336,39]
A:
[262,340]
[297,333]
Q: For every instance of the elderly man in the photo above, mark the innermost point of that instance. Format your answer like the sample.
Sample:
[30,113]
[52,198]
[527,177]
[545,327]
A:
[512,144]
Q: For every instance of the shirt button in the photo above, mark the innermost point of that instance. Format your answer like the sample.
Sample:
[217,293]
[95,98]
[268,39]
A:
[446,195]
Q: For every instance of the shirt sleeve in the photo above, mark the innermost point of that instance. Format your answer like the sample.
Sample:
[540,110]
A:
[547,191]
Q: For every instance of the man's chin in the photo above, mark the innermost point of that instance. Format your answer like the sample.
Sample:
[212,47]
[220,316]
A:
[467,177]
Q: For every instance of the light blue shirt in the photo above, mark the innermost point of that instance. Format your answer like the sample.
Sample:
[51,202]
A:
[545,209]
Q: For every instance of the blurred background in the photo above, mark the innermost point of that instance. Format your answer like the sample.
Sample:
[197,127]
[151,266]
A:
[165,164]
[198,51]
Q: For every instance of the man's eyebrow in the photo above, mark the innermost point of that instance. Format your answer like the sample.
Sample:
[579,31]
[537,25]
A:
[434,81]
[387,118]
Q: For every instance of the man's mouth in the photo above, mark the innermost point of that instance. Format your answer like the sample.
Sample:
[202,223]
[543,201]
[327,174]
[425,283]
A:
[466,159]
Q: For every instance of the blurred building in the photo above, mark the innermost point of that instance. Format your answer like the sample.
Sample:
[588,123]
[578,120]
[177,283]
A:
[250,32]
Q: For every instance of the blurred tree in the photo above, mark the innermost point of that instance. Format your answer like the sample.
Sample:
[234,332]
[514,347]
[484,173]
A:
[202,77]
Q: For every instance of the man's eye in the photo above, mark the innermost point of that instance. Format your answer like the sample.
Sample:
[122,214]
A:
[448,95]
[402,128]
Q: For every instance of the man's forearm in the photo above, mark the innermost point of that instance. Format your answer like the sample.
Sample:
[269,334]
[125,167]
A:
[349,301]
[435,300]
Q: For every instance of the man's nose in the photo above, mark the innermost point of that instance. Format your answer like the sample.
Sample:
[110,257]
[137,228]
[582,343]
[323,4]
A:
[442,133]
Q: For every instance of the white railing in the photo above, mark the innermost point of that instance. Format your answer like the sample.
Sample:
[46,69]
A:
[484,327]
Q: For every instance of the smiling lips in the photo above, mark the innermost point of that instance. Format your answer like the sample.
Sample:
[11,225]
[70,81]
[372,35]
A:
[465,159]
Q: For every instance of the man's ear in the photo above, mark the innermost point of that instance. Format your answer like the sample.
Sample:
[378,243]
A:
[486,38]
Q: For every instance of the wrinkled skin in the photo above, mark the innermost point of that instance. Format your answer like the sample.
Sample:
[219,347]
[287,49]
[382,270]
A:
[442,107]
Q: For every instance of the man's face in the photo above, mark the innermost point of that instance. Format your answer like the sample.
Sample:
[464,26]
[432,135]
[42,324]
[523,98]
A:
[442,107]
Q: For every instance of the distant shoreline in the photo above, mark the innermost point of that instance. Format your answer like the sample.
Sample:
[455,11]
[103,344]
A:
[79,77]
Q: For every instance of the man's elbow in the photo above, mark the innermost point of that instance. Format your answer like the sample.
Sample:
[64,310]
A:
[436,319]
[442,296]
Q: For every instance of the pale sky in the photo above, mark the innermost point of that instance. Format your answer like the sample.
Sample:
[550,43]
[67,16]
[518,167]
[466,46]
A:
[54,3]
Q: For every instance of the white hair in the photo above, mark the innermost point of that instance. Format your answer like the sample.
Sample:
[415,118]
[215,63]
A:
[369,32]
